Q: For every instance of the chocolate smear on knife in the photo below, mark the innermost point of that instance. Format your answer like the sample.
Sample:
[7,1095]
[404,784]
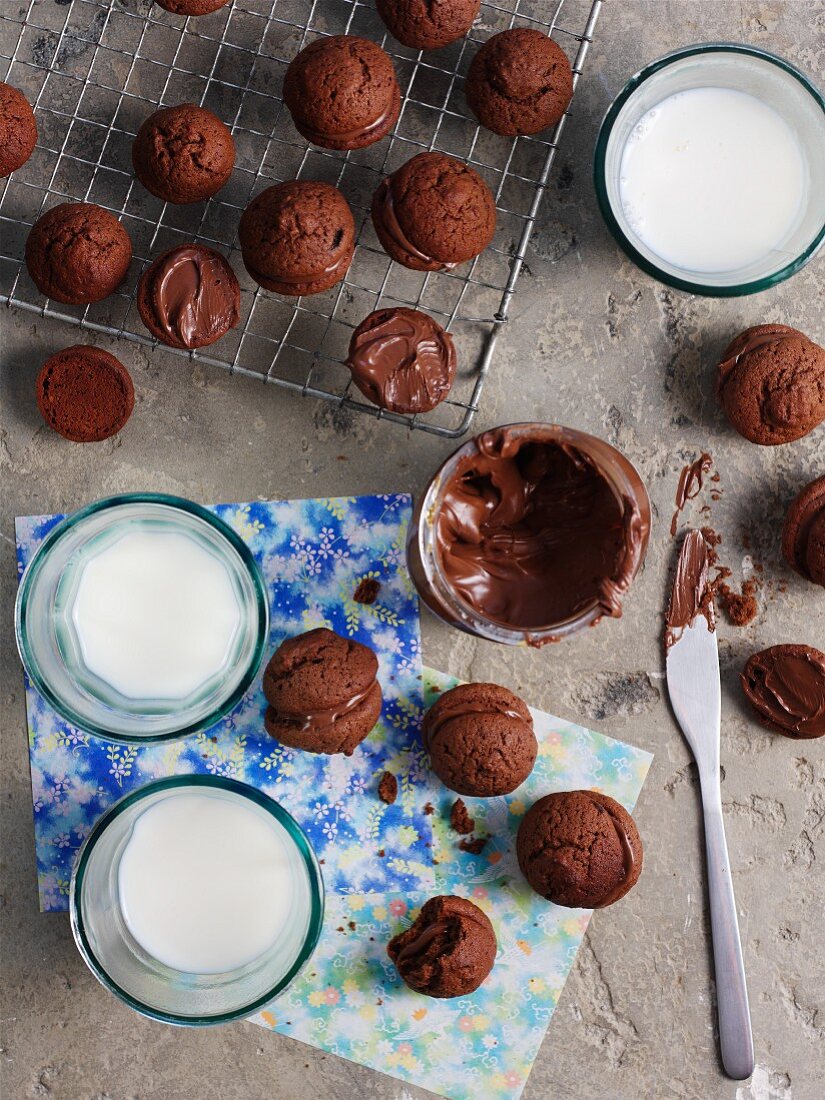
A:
[692,594]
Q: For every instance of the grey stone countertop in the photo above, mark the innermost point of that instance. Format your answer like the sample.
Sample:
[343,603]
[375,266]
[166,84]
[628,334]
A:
[594,344]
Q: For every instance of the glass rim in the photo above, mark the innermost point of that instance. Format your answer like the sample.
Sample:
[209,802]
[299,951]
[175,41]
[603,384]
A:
[735,290]
[244,790]
[67,524]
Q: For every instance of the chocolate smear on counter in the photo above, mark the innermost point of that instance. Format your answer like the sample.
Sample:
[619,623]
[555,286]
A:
[786,686]
[691,480]
[193,296]
[691,595]
[367,590]
[530,532]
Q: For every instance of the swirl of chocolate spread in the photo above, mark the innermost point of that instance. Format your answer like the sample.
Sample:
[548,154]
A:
[785,685]
[402,360]
[194,295]
[530,532]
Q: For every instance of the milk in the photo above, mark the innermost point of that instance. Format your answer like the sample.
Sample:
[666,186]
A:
[155,614]
[712,179]
[204,882]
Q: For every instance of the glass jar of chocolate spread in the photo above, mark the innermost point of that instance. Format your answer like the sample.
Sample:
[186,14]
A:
[528,533]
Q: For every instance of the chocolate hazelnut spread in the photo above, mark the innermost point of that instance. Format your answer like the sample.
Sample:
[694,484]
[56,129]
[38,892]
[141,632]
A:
[747,342]
[386,212]
[320,137]
[318,721]
[691,480]
[402,360]
[193,297]
[629,862]
[692,594]
[785,684]
[531,533]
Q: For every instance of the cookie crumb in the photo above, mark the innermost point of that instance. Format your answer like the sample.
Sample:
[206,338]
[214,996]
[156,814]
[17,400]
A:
[388,788]
[460,820]
[475,846]
[381,853]
[367,590]
[740,607]
[429,808]
[351,925]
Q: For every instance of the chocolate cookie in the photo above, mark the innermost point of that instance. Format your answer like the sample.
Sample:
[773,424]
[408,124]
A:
[803,535]
[785,685]
[428,24]
[298,237]
[480,739]
[449,949]
[342,92]
[191,7]
[323,693]
[519,82]
[402,360]
[580,849]
[189,297]
[183,154]
[18,130]
[434,213]
[771,384]
[78,253]
[85,394]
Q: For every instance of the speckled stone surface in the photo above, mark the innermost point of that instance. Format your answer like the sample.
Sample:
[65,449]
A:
[596,345]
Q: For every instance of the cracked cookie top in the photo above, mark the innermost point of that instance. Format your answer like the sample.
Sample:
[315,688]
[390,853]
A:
[580,849]
[428,24]
[78,253]
[183,154]
[342,92]
[519,82]
[771,384]
[18,130]
[480,739]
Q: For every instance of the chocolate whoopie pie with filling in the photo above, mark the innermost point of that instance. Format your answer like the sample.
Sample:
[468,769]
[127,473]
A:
[402,360]
[480,739]
[785,686]
[428,24]
[434,213]
[191,7]
[85,394]
[18,129]
[78,253]
[298,237]
[519,82]
[803,533]
[579,849]
[323,693]
[189,297]
[183,154]
[342,92]
[448,951]
[771,384]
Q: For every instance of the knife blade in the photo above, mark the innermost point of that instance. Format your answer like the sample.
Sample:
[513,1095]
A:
[692,671]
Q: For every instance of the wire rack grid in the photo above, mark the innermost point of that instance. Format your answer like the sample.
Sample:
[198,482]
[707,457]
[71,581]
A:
[94,69]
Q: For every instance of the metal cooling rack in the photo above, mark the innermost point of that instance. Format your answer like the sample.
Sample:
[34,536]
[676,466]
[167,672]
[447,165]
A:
[94,70]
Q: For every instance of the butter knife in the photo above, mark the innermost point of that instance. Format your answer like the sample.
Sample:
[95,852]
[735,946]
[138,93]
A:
[692,668]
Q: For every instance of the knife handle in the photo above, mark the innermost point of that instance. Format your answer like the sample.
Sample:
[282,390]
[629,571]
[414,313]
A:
[735,1038]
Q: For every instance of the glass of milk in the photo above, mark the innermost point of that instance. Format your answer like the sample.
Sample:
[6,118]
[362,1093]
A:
[142,618]
[710,169]
[196,900]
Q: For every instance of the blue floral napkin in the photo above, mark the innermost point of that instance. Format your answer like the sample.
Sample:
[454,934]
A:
[313,554]
[350,1000]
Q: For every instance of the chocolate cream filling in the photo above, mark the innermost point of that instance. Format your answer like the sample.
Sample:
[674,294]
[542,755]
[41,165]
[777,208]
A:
[788,689]
[531,533]
[317,721]
[193,297]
